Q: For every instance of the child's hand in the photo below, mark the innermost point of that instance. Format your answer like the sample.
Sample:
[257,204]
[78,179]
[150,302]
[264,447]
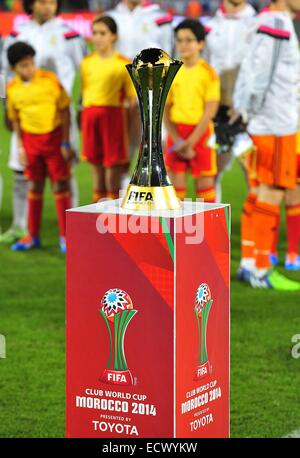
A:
[185,150]
[189,153]
[67,152]
[22,155]
[181,146]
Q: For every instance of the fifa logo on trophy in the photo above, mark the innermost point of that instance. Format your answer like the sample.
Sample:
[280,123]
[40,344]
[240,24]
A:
[117,312]
[202,309]
[152,73]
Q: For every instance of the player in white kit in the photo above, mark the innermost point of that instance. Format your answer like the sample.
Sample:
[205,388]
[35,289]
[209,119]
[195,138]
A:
[58,49]
[266,93]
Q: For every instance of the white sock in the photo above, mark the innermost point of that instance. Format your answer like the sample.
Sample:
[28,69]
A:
[74,192]
[248,263]
[20,206]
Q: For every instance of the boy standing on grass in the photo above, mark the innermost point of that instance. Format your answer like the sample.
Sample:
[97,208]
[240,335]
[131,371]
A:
[191,106]
[58,49]
[106,85]
[39,109]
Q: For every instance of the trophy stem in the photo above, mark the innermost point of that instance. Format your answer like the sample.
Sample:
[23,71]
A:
[150,95]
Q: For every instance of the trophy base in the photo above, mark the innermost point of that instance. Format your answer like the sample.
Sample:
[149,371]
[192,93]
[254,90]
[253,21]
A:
[112,377]
[150,198]
[203,371]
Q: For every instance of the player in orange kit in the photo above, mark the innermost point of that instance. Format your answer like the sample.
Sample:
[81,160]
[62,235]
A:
[266,93]
[39,109]
[106,86]
[191,106]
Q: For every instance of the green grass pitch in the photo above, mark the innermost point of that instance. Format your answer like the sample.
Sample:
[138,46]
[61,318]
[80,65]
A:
[265,379]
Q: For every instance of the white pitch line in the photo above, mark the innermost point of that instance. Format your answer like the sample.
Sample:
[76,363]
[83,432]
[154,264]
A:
[294,434]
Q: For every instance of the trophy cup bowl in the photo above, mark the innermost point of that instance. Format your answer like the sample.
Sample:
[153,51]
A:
[150,188]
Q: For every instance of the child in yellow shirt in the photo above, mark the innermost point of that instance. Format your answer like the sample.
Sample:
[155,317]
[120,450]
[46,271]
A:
[39,109]
[106,86]
[191,106]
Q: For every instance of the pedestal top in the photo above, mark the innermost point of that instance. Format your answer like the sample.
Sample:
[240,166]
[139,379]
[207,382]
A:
[114,207]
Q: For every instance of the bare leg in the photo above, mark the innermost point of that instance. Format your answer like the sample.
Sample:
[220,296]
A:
[98,177]
[113,181]
[179,182]
[292,196]
[205,187]
[270,194]
[36,186]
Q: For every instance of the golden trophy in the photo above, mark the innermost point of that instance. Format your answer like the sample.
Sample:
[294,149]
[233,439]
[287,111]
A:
[150,188]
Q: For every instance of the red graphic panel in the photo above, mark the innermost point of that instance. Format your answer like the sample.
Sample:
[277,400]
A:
[202,331]
[130,372]
[97,263]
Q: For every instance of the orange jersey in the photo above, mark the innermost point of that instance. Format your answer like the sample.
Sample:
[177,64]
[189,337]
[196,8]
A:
[37,104]
[105,81]
[192,88]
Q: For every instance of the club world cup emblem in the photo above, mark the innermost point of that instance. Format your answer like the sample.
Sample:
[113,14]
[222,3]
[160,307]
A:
[202,309]
[117,312]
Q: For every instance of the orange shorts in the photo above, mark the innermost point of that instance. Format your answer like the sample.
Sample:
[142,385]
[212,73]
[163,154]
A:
[203,164]
[274,162]
[104,136]
[44,157]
